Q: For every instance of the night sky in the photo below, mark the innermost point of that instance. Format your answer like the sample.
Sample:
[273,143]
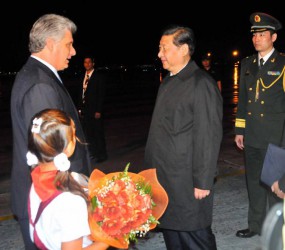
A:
[120,33]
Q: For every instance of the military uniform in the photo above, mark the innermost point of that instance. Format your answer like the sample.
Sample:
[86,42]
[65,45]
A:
[261,106]
[260,119]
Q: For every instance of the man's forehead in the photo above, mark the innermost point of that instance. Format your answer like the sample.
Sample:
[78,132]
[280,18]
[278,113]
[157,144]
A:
[167,39]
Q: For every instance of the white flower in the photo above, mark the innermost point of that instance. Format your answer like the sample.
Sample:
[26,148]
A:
[61,162]
[31,159]
[37,122]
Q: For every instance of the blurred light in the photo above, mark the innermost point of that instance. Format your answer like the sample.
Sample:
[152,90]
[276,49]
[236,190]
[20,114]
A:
[236,74]
[235,53]
[235,85]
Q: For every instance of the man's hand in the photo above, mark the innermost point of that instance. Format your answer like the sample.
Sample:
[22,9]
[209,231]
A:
[200,193]
[239,141]
[275,189]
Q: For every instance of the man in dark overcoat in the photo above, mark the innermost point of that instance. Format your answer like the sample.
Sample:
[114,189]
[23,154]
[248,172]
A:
[184,142]
[260,114]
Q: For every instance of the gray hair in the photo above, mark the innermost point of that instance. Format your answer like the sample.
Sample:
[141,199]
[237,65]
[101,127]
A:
[49,25]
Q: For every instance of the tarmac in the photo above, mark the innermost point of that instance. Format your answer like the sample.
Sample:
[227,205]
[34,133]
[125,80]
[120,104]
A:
[126,138]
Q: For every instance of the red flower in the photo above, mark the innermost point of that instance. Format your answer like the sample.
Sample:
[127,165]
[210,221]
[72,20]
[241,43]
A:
[112,227]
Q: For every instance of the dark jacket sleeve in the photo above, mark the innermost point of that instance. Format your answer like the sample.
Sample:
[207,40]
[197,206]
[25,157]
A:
[208,131]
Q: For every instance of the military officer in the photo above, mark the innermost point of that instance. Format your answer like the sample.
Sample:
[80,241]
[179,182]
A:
[260,114]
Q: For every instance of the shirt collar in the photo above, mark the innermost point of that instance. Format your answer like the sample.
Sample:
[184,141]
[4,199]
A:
[265,58]
[90,73]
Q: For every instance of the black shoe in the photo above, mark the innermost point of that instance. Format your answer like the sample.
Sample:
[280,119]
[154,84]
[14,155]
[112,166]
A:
[245,233]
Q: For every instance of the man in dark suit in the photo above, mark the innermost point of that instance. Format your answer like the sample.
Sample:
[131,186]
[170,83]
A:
[38,86]
[92,95]
[183,143]
[260,114]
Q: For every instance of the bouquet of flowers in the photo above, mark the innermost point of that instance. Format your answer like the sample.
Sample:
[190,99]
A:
[124,205]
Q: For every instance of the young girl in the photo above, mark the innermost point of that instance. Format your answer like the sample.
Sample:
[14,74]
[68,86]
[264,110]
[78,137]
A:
[58,210]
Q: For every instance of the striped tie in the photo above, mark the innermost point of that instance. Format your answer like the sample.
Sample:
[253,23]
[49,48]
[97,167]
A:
[85,84]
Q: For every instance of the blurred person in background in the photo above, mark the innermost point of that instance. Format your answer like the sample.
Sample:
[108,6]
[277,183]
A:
[206,62]
[92,96]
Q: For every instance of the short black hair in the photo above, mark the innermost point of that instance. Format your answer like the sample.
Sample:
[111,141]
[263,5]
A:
[182,35]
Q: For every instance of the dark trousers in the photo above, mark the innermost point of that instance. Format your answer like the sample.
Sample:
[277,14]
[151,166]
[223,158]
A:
[202,239]
[25,230]
[260,196]
[95,134]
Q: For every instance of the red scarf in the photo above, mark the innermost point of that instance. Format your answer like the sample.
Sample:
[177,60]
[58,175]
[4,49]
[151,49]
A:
[43,180]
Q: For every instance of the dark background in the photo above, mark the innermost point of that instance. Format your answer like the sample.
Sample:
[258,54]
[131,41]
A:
[118,32]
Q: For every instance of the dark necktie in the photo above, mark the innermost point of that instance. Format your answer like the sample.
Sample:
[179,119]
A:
[261,62]
[84,88]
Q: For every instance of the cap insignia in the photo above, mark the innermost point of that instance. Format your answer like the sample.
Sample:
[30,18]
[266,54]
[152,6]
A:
[257,18]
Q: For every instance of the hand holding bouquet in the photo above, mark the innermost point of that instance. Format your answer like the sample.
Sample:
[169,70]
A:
[124,205]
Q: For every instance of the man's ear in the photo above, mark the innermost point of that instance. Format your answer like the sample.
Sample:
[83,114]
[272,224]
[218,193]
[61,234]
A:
[184,49]
[274,37]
